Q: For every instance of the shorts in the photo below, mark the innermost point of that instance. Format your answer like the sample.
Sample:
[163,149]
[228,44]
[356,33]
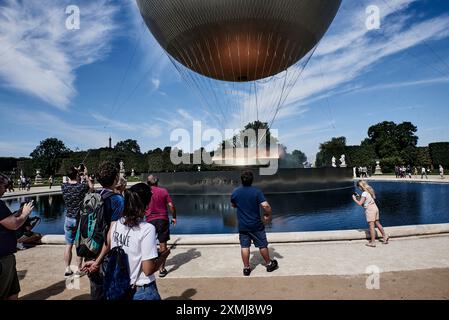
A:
[372,213]
[162,229]
[9,281]
[259,238]
[70,227]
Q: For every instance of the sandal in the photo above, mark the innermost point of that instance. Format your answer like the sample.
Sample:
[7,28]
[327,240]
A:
[385,241]
[372,245]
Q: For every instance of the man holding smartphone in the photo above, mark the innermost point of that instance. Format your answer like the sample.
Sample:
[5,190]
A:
[9,223]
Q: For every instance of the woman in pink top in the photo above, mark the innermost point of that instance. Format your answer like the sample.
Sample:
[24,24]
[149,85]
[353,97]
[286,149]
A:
[367,200]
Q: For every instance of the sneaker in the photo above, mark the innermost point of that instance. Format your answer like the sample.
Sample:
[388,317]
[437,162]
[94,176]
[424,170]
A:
[80,274]
[163,273]
[272,266]
[68,273]
[246,271]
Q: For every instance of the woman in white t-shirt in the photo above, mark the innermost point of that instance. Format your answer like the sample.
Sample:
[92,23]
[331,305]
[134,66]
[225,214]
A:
[367,200]
[138,240]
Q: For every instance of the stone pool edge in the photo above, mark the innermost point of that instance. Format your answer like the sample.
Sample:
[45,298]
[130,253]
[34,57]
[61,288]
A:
[291,237]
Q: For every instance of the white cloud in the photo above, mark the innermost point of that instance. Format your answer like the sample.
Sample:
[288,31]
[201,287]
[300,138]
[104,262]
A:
[156,83]
[337,66]
[72,134]
[40,56]
[145,129]
[8,148]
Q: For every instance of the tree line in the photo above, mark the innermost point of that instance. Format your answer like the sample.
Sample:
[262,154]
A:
[52,157]
[390,143]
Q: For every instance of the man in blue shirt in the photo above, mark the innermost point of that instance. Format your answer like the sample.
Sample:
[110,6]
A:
[248,200]
[108,177]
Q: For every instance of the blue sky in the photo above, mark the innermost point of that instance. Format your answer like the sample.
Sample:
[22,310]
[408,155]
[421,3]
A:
[110,77]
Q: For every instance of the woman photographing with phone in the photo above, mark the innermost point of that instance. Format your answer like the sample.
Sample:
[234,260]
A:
[367,200]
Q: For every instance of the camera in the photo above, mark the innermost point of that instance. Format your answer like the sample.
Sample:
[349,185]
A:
[82,168]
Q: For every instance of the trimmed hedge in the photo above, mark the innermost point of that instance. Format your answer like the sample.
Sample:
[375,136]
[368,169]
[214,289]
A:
[360,156]
[439,153]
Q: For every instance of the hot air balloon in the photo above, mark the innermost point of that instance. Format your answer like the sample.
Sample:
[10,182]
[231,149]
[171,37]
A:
[244,46]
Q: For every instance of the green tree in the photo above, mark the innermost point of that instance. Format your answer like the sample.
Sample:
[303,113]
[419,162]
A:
[423,157]
[394,141]
[48,155]
[360,156]
[439,152]
[244,141]
[128,146]
[296,159]
[333,148]
[299,157]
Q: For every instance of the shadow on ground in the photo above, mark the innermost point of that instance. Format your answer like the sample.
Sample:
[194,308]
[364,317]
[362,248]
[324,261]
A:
[22,274]
[186,295]
[256,259]
[46,293]
[182,258]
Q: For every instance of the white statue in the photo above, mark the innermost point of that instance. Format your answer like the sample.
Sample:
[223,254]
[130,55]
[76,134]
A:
[122,169]
[378,168]
[343,161]
[334,162]
[133,173]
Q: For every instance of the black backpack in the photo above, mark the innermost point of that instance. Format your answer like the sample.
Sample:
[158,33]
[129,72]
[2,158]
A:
[116,285]
[93,225]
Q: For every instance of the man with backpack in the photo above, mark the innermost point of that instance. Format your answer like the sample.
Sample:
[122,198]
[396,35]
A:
[99,211]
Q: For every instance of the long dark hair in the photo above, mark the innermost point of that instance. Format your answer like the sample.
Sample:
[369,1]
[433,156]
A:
[137,199]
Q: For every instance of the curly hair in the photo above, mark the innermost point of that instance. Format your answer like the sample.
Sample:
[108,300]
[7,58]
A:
[107,174]
[72,173]
[137,199]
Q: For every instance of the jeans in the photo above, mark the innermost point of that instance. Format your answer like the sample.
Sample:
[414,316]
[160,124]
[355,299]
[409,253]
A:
[147,293]
[96,285]
[70,227]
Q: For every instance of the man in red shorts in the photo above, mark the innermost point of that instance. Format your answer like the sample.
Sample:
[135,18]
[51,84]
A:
[157,215]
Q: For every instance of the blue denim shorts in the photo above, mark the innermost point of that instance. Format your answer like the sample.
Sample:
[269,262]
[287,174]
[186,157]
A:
[148,292]
[259,238]
[70,227]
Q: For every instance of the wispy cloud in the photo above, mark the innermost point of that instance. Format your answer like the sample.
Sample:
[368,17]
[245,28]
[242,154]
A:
[143,129]
[39,56]
[348,53]
[350,50]
[51,125]
[9,148]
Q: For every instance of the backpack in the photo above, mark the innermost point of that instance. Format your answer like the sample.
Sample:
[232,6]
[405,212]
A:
[116,285]
[93,225]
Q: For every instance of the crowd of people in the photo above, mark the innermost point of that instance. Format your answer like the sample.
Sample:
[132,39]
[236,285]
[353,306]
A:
[404,172]
[131,226]
[131,222]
